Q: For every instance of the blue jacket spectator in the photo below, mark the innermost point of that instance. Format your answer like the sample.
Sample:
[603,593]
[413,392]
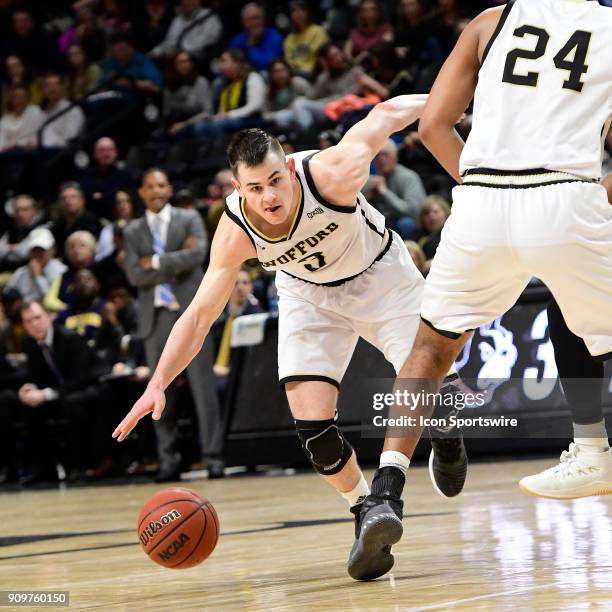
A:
[129,69]
[260,44]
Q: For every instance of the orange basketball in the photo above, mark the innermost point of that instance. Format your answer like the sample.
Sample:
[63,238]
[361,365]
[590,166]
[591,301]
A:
[177,528]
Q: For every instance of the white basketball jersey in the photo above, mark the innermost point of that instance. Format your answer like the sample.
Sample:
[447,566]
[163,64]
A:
[544,93]
[326,244]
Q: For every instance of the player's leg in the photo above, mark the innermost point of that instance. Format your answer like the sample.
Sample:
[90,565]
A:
[466,288]
[313,406]
[315,346]
[393,328]
[578,272]
[579,472]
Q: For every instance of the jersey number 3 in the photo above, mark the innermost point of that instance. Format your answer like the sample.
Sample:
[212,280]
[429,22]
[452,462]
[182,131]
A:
[577,45]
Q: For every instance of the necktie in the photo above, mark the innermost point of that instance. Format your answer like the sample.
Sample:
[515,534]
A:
[48,355]
[166,295]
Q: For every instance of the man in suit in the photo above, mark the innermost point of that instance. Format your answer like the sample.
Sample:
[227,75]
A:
[164,254]
[61,374]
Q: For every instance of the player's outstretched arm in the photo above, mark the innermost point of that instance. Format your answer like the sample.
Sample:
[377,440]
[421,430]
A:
[341,171]
[453,90]
[230,248]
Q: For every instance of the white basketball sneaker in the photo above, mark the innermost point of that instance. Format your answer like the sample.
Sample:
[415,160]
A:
[580,473]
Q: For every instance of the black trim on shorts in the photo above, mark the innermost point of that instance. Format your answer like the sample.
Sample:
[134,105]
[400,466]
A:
[303,377]
[315,191]
[498,29]
[530,186]
[236,219]
[348,278]
[603,357]
[498,172]
[446,334]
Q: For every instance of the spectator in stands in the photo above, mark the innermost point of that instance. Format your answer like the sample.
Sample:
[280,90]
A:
[302,44]
[14,248]
[387,79]
[20,124]
[418,257]
[87,34]
[241,302]
[337,79]
[18,75]
[11,327]
[396,191]
[283,89]
[445,24]
[104,178]
[61,369]
[63,125]
[124,210]
[218,190]
[240,97]
[194,29]
[73,215]
[150,22]
[110,270]
[164,254]
[414,38]
[32,44]
[35,279]
[328,138]
[129,70]
[259,43]
[85,314]
[80,251]
[82,75]
[186,93]
[369,28]
[433,216]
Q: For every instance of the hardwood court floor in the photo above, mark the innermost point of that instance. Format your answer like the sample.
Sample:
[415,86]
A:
[285,541]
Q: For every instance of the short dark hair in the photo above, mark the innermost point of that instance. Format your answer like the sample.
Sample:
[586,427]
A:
[71,185]
[152,170]
[250,147]
[27,305]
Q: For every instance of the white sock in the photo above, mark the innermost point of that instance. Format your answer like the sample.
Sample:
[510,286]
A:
[592,438]
[358,494]
[394,459]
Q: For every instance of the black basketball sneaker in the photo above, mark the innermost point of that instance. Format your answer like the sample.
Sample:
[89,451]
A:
[378,525]
[448,460]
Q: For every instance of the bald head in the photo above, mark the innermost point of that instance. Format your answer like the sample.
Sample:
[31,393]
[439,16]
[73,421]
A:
[105,152]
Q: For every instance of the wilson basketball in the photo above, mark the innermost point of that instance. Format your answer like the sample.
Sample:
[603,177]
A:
[178,528]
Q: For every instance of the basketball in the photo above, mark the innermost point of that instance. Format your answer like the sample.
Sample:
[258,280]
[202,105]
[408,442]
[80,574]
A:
[177,528]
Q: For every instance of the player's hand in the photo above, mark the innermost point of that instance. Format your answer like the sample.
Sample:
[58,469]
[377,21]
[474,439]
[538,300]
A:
[152,400]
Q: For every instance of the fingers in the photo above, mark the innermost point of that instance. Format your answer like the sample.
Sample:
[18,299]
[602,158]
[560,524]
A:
[160,404]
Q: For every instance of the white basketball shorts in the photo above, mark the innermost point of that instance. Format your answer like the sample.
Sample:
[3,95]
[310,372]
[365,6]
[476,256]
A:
[499,237]
[319,325]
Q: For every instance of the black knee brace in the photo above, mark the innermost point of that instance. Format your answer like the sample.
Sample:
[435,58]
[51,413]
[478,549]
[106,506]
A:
[324,445]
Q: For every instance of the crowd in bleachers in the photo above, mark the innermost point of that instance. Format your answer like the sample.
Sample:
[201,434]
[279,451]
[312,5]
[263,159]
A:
[94,92]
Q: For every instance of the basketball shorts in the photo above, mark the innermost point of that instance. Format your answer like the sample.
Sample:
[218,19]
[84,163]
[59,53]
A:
[498,237]
[319,325]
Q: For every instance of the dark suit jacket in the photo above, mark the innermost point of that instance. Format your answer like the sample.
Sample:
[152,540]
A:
[75,360]
[182,268]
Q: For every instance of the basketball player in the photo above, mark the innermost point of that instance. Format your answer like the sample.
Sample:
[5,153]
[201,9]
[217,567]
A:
[530,202]
[579,473]
[341,275]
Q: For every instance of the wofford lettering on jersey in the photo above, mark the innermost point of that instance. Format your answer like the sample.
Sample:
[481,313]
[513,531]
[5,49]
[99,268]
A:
[302,247]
